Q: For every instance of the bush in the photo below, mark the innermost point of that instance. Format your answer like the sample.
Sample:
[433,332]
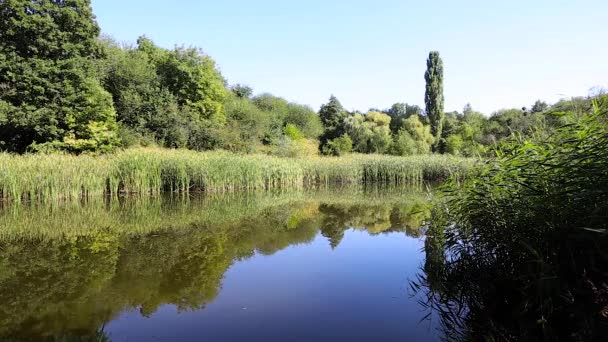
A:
[454,144]
[338,146]
[293,133]
[403,144]
[287,147]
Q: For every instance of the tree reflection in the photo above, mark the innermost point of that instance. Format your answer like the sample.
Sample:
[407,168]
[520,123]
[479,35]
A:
[65,286]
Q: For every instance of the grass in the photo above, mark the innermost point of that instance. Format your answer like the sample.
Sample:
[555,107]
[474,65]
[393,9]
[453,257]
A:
[152,171]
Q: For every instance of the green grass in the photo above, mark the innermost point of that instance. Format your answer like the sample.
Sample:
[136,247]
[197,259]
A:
[152,171]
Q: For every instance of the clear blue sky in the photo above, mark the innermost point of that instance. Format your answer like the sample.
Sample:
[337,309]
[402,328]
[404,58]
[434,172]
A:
[496,54]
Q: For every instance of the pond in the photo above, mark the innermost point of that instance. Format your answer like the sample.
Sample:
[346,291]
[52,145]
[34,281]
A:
[275,266]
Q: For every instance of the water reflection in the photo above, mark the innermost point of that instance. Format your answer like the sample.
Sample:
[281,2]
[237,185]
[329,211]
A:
[68,270]
[480,292]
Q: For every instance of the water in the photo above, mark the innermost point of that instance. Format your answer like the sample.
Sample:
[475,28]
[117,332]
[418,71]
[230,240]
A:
[314,266]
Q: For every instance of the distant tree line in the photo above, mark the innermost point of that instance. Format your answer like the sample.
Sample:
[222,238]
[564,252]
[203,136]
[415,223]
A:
[65,88]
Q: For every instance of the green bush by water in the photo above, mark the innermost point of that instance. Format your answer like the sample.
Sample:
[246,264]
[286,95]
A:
[151,171]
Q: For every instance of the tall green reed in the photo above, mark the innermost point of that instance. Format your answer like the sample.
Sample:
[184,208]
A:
[152,171]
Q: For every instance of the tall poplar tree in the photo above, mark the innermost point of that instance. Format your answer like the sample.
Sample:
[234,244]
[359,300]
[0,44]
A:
[433,96]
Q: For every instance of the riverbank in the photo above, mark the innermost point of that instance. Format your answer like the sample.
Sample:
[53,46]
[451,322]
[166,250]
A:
[152,171]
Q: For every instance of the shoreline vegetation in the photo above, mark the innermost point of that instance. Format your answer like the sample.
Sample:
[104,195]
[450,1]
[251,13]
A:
[517,249]
[43,177]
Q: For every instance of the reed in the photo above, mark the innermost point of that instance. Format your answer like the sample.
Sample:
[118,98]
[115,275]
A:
[152,171]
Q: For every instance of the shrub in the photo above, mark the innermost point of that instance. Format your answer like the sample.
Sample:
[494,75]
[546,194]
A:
[338,146]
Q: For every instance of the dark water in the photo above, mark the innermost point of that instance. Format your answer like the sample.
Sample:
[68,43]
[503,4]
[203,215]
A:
[322,266]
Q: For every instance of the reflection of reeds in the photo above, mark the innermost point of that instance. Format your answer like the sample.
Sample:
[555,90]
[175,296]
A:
[517,251]
[137,215]
[151,171]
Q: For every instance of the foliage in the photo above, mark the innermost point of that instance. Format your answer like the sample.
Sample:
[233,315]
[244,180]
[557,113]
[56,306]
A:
[524,239]
[247,124]
[293,133]
[170,95]
[294,148]
[414,137]
[433,95]
[51,96]
[404,144]
[539,106]
[401,111]
[370,133]
[242,91]
[454,144]
[420,133]
[338,146]
[332,116]
[305,119]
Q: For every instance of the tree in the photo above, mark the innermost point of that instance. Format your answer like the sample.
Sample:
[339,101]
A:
[433,96]
[52,97]
[194,80]
[370,133]
[332,117]
[421,134]
[401,111]
[414,137]
[305,119]
[242,91]
[539,106]
[403,144]
[247,124]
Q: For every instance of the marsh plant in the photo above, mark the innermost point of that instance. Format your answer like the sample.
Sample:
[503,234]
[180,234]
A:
[518,250]
[152,171]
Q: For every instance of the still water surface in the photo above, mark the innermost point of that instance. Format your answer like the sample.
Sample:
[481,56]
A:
[313,266]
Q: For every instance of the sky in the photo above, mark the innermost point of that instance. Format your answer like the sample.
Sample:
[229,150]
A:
[372,53]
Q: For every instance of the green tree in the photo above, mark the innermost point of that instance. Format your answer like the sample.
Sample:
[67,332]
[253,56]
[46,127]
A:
[194,80]
[52,98]
[433,96]
[276,108]
[144,107]
[370,133]
[242,91]
[305,119]
[539,106]
[246,126]
[421,134]
[403,144]
[332,116]
[454,144]
[176,97]
[414,137]
[401,111]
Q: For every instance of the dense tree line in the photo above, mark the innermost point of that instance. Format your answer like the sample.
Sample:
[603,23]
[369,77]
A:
[63,87]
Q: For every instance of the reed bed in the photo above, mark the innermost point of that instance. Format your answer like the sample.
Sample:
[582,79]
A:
[152,171]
